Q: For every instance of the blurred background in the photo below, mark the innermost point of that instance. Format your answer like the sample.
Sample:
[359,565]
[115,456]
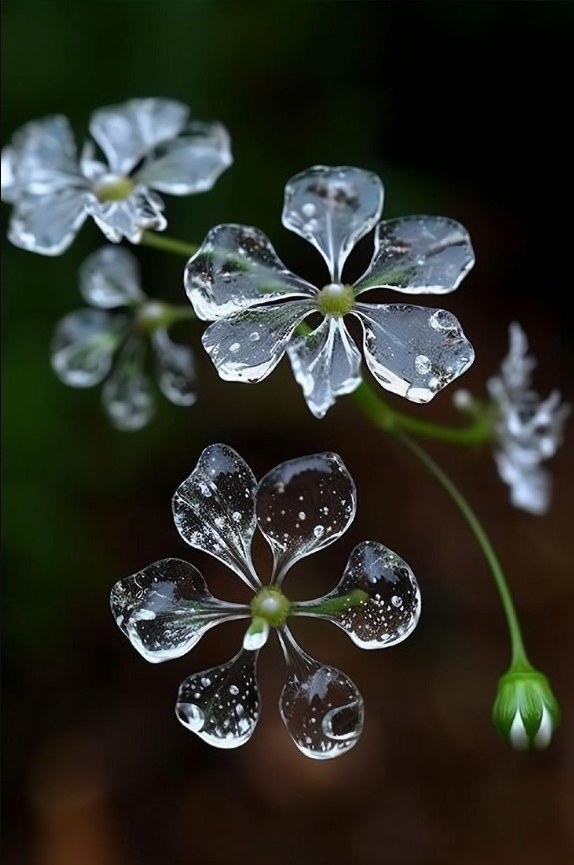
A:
[462,108]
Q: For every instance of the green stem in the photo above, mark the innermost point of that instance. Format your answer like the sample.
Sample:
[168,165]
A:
[519,657]
[168,244]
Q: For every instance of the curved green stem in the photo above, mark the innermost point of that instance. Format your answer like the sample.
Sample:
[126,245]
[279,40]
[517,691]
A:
[168,244]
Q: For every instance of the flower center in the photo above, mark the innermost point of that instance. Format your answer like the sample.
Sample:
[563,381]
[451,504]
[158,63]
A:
[336,299]
[272,605]
[113,187]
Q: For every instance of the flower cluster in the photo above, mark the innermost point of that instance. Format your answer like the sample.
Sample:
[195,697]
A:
[148,146]
[109,341]
[256,305]
[300,507]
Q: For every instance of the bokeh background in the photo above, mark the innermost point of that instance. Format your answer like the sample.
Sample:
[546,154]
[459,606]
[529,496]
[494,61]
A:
[463,109]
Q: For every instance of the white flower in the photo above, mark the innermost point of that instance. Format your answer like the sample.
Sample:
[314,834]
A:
[528,429]
[110,342]
[300,507]
[149,147]
[525,711]
[237,281]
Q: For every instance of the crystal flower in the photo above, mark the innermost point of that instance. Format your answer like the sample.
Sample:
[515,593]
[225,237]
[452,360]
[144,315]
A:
[110,341]
[148,147]
[300,507]
[527,429]
[237,282]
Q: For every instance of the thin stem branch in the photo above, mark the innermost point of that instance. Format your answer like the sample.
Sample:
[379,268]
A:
[168,244]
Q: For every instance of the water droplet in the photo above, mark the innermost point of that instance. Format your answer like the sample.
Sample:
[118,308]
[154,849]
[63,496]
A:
[396,601]
[308,209]
[319,531]
[254,337]
[302,515]
[206,681]
[236,516]
[234,347]
[233,689]
[422,364]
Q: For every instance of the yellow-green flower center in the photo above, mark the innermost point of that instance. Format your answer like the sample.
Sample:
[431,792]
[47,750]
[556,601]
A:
[336,299]
[271,605]
[114,188]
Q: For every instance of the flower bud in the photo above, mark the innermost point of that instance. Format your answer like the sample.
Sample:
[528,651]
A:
[525,711]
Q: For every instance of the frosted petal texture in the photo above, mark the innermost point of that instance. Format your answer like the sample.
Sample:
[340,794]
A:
[222,705]
[214,509]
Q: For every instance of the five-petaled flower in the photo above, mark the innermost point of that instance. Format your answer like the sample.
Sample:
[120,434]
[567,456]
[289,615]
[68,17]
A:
[149,146]
[237,281]
[300,507]
[85,342]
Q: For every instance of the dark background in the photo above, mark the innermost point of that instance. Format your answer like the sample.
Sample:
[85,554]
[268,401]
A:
[464,109]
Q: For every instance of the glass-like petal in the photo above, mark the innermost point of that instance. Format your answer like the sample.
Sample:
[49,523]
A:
[84,344]
[214,509]
[248,346]
[47,224]
[175,369]
[130,131]
[333,208]
[40,159]
[320,706]
[110,277]
[190,163]
[236,268]
[141,211]
[419,255]
[166,608]
[326,363]
[530,486]
[127,395]
[377,603]
[222,705]
[413,351]
[304,505]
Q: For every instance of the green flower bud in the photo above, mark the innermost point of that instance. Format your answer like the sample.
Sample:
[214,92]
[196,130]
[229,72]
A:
[525,711]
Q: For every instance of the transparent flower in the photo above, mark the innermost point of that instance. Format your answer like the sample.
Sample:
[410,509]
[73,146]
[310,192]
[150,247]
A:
[527,429]
[526,711]
[148,146]
[110,341]
[300,507]
[256,305]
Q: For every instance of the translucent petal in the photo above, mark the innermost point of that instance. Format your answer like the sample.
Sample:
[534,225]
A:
[175,369]
[190,163]
[222,705]
[130,131]
[110,277]
[413,351]
[141,211]
[320,706]
[166,608]
[333,208]
[326,363]
[41,159]
[304,505]
[377,603]
[248,346]
[127,395]
[419,255]
[236,268]
[530,486]
[47,224]
[84,344]
[256,635]
[214,509]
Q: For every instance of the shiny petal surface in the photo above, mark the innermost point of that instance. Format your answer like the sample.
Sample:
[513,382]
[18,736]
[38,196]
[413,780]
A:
[377,603]
[413,351]
[141,211]
[326,363]
[222,705]
[304,505]
[83,346]
[110,277]
[214,509]
[236,268]
[175,369]
[127,395]
[320,706]
[166,608]
[333,208]
[40,159]
[48,223]
[130,131]
[190,163]
[248,346]
[419,255]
